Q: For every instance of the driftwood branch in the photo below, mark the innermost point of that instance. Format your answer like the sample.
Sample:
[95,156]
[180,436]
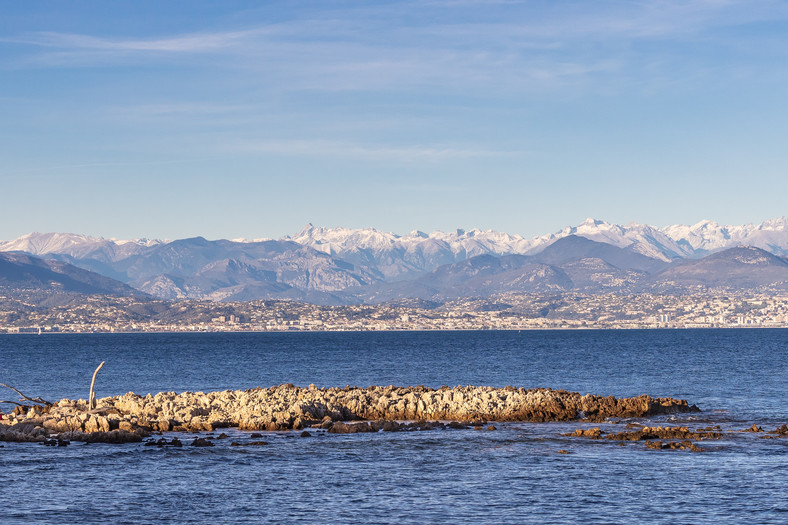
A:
[92,396]
[14,403]
[26,398]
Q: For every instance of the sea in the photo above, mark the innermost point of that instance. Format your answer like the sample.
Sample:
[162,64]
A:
[519,473]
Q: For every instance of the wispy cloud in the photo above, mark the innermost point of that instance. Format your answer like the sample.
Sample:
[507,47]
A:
[404,154]
[507,46]
[189,43]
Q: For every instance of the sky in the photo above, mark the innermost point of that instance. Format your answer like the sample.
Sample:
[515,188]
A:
[237,119]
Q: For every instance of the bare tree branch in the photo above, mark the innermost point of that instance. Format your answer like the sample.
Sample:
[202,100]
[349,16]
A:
[26,398]
[15,403]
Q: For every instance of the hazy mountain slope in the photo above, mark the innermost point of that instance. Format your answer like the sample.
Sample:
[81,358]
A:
[23,272]
[574,247]
[199,268]
[594,275]
[478,276]
[741,268]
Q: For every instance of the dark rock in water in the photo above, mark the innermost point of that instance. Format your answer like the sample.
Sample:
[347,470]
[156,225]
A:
[115,437]
[250,444]
[162,442]
[593,433]
[256,435]
[305,434]
[683,445]
[201,442]
[353,428]
[649,433]
[491,427]
[222,436]
[390,426]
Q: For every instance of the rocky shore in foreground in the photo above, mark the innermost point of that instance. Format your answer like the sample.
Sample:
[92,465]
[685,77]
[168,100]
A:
[131,417]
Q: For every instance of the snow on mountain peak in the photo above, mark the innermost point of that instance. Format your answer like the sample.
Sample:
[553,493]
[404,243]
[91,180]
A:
[394,255]
[36,243]
[776,224]
[591,222]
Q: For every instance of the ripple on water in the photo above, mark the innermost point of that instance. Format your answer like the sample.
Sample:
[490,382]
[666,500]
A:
[513,474]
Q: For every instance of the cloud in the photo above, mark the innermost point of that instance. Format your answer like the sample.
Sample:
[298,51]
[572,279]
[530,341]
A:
[452,46]
[406,154]
[190,43]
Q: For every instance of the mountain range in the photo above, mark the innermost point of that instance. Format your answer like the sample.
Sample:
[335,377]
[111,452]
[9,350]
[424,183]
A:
[342,265]
[20,271]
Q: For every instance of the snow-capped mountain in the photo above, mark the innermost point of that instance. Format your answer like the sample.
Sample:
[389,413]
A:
[397,257]
[76,245]
[708,236]
[331,261]
[640,238]
[419,252]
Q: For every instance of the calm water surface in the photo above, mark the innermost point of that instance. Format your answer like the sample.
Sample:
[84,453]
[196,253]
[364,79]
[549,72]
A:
[513,475]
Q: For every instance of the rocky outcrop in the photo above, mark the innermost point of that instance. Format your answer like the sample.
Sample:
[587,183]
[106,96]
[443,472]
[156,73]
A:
[653,436]
[286,407]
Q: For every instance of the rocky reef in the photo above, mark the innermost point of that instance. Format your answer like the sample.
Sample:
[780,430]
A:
[130,417]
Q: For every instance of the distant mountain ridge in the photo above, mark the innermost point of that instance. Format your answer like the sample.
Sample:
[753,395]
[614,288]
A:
[667,244]
[19,271]
[344,265]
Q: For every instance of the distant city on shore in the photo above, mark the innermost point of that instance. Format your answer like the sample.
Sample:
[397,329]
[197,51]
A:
[593,275]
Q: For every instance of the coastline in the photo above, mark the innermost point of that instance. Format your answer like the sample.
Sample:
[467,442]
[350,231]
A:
[406,330]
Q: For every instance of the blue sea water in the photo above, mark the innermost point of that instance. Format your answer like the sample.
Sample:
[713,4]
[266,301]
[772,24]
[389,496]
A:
[512,475]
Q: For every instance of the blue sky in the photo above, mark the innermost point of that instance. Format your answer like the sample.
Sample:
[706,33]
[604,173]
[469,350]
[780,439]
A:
[228,119]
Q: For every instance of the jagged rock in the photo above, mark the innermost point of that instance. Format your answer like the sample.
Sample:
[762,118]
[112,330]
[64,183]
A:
[287,407]
[683,445]
[593,433]
[649,433]
[112,436]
